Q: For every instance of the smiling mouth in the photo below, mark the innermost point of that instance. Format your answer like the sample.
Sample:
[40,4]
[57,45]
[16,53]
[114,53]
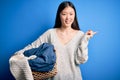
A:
[67,22]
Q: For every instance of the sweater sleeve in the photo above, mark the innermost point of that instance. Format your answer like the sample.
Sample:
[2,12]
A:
[82,50]
[43,38]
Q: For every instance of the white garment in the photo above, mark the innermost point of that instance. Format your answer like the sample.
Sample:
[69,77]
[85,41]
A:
[20,68]
[69,56]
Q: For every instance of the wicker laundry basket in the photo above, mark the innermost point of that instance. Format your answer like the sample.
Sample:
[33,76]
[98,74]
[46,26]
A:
[45,75]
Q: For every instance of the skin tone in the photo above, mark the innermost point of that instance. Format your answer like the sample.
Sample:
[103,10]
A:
[66,33]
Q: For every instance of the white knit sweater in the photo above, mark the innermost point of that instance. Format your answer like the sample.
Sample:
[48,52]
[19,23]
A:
[69,56]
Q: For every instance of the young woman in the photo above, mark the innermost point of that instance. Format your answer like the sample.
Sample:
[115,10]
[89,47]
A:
[71,44]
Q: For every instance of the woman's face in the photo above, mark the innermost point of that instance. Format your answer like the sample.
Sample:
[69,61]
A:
[67,16]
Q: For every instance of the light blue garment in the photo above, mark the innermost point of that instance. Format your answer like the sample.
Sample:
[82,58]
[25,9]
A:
[45,59]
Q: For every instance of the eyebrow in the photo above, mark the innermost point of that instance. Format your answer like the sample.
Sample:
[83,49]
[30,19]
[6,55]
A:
[67,11]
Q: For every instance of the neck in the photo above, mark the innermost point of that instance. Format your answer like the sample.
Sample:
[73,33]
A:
[66,29]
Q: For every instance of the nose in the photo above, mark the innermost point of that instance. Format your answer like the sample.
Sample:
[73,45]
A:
[68,16]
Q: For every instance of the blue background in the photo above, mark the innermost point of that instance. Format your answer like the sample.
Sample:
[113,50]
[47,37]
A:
[22,21]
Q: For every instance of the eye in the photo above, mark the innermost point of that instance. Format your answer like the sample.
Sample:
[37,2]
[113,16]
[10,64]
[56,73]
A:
[71,14]
[63,14]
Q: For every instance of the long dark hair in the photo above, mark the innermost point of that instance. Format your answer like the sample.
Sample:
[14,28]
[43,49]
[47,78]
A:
[63,5]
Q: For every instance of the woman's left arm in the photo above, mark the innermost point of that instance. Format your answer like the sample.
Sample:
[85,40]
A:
[82,50]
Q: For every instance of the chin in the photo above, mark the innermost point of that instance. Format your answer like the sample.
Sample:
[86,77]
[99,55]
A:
[68,24]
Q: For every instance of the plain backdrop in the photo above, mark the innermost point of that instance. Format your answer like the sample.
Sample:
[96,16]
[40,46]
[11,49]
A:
[23,21]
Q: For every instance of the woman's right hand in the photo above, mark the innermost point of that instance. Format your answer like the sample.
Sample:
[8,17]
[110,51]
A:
[90,33]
